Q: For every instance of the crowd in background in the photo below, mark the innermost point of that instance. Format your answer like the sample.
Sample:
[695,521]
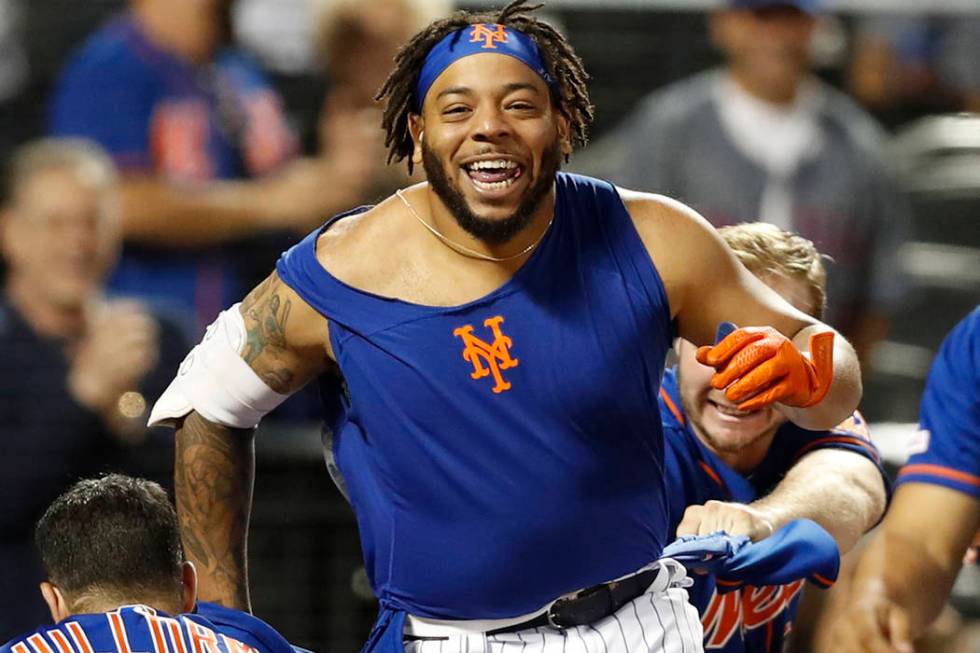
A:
[161,153]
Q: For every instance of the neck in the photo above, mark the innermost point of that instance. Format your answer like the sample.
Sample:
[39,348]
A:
[61,322]
[190,35]
[776,95]
[441,218]
[96,602]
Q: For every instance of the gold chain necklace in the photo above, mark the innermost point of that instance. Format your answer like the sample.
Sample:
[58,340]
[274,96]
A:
[466,251]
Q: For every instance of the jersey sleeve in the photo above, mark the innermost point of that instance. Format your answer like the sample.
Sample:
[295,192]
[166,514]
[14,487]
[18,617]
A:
[947,448]
[851,435]
[793,442]
[104,98]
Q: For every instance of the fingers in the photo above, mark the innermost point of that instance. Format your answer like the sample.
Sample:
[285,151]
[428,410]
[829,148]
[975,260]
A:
[732,518]
[763,399]
[746,360]
[899,632]
[762,377]
[719,354]
[873,625]
[691,522]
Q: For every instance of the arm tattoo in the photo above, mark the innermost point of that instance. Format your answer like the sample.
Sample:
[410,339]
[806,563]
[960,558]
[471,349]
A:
[213,487]
[266,311]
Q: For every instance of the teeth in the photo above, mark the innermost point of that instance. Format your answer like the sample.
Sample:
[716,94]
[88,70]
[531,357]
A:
[731,411]
[496,185]
[498,164]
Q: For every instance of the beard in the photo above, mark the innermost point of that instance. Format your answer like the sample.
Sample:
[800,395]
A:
[491,231]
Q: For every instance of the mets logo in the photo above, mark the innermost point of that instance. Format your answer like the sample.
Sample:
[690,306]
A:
[489,34]
[488,358]
[745,609]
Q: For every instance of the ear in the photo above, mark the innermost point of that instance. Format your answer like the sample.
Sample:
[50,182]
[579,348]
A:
[57,605]
[188,581]
[416,126]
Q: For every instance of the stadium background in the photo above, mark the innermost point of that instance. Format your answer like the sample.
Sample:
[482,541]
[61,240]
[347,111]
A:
[305,559]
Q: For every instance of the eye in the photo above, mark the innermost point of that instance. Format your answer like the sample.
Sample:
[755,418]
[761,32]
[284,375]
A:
[455,109]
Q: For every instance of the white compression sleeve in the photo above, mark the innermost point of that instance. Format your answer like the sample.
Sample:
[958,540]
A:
[214,381]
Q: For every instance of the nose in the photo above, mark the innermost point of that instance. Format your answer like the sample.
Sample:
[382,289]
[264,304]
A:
[83,233]
[490,125]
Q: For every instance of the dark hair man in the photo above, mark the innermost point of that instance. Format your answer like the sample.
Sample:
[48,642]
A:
[118,581]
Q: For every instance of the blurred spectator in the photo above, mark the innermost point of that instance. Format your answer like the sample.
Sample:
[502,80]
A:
[763,138]
[910,65]
[356,42]
[76,371]
[189,120]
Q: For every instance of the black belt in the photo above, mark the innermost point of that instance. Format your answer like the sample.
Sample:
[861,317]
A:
[590,604]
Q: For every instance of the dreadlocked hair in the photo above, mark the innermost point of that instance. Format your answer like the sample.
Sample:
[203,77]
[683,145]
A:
[398,91]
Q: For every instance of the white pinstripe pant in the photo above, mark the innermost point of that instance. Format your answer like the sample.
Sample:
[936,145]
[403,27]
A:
[656,622]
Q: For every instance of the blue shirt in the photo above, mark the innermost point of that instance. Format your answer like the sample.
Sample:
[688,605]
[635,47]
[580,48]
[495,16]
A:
[947,451]
[141,629]
[158,114]
[504,452]
[746,619]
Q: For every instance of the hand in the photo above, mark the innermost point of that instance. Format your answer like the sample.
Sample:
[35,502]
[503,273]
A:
[732,518]
[760,366]
[873,624]
[119,347]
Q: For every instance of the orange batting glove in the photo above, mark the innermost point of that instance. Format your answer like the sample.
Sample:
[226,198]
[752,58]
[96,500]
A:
[760,366]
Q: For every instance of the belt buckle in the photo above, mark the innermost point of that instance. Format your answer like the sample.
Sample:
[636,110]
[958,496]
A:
[550,616]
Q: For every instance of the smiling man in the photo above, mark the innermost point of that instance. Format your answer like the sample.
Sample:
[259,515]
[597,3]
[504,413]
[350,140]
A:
[752,472]
[490,345]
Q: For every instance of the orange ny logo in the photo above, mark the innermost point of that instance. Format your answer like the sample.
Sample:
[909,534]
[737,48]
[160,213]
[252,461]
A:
[482,31]
[488,358]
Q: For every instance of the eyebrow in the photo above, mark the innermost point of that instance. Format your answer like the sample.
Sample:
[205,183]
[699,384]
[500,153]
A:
[508,88]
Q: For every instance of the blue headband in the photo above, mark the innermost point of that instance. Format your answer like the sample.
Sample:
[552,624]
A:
[481,38]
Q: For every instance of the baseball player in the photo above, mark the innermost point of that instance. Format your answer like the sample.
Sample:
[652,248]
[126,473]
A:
[748,473]
[118,582]
[490,346]
[906,574]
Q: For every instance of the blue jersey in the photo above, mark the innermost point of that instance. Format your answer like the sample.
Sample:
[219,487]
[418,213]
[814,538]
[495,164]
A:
[504,452]
[947,448]
[159,114]
[742,618]
[141,629]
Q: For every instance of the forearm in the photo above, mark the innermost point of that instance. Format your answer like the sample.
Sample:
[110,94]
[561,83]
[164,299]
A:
[213,475]
[845,391]
[160,213]
[897,567]
[839,490]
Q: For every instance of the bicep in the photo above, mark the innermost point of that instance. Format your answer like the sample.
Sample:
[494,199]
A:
[286,341]
[854,473]
[705,282]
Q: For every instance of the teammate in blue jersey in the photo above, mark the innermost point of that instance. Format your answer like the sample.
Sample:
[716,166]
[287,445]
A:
[490,345]
[748,473]
[118,581]
[907,572]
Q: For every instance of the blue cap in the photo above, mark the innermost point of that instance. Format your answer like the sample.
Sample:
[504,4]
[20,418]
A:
[812,7]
